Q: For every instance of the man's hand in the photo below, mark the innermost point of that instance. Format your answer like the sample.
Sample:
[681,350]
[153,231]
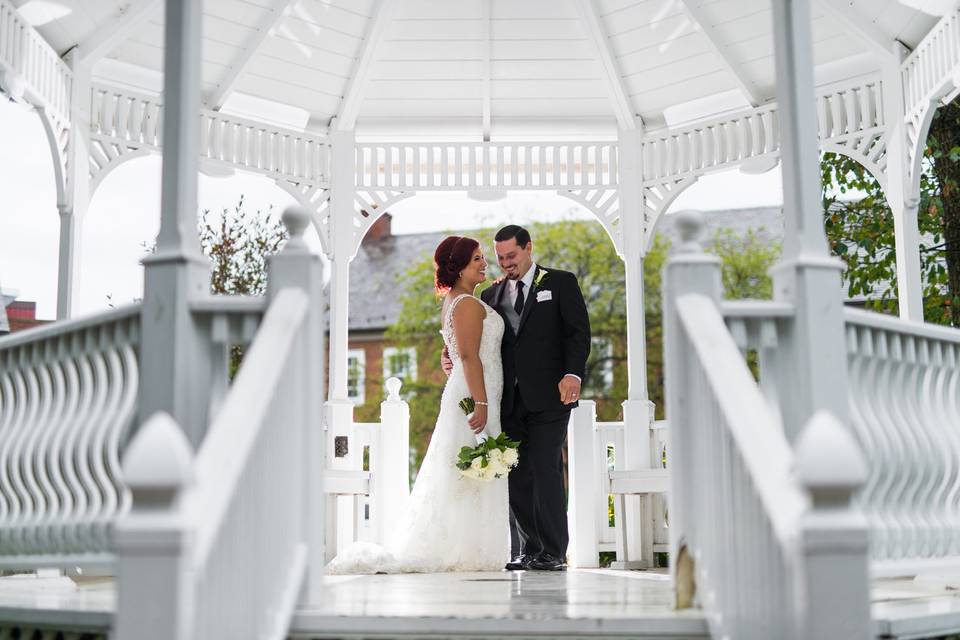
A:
[569,389]
[445,362]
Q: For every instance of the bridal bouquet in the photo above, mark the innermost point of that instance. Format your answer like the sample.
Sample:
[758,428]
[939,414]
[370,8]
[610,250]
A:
[492,458]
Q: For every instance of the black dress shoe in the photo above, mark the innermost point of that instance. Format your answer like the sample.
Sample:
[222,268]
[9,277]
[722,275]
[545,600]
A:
[547,562]
[520,563]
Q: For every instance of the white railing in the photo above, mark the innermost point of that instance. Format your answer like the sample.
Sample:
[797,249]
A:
[764,535]
[929,69]
[230,324]
[224,542]
[735,504]
[122,121]
[237,509]
[756,328]
[905,403]
[596,455]
[369,494]
[501,165]
[850,110]
[68,394]
[25,52]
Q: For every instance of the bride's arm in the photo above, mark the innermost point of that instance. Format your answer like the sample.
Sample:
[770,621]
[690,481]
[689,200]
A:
[468,327]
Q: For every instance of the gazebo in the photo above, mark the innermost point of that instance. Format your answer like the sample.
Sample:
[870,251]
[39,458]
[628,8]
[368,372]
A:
[126,449]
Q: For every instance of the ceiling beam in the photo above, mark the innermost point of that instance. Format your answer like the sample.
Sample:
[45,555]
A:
[109,35]
[622,105]
[858,24]
[485,80]
[225,85]
[346,118]
[696,13]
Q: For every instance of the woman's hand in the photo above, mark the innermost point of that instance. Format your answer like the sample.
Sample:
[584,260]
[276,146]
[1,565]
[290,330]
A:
[478,419]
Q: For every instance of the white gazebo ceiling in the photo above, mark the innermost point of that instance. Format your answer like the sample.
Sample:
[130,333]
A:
[507,67]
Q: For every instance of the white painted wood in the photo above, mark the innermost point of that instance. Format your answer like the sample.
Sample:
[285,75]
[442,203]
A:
[902,189]
[68,396]
[173,349]
[274,13]
[30,63]
[582,468]
[155,600]
[834,538]
[346,117]
[620,101]
[861,25]
[904,379]
[697,13]
[121,26]
[807,276]
[929,72]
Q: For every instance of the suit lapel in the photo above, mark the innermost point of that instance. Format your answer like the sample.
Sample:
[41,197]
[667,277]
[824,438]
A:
[529,301]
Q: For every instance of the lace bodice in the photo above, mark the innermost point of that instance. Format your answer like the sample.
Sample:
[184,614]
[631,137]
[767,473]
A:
[489,340]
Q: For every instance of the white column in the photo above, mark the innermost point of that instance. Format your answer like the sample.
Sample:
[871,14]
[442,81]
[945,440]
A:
[814,346]
[176,367]
[902,191]
[636,409]
[341,449]
[75,199]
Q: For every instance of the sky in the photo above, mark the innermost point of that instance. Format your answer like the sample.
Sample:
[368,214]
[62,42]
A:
[124,214]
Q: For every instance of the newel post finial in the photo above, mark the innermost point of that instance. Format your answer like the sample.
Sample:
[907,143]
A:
[296,219]
[833,532]
[690,225]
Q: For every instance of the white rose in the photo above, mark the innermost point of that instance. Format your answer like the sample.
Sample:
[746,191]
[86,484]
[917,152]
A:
[510,457]
[477,464]
[496,456]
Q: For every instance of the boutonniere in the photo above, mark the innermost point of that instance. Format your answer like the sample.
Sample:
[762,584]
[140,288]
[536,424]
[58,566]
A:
[541,276]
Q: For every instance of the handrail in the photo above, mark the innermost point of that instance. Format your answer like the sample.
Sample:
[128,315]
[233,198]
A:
[225,452]
[63,327]
[766,452]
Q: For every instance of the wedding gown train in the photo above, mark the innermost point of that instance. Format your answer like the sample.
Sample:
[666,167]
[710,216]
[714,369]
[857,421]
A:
[451,523]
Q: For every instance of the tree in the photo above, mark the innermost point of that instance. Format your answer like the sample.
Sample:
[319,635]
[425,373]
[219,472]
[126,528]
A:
[238,244]
[943,150]
[859,228]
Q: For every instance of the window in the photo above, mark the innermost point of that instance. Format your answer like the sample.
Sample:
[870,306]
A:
[400,362]
[600,380]
[356,375]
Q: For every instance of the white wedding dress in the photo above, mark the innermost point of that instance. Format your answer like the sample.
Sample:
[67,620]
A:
[452,523]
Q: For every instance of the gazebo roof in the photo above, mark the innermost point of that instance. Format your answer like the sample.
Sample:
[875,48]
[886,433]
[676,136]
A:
[470,67]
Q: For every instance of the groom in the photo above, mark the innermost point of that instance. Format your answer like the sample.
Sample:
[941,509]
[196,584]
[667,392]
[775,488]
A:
[546,342]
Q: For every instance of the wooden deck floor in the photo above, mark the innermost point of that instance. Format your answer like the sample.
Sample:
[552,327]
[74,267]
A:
[581,603]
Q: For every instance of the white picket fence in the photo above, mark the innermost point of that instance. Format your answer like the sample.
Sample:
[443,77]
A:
[596,460]
[367,490]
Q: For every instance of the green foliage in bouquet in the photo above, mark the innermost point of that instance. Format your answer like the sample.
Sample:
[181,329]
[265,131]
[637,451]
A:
[500,443]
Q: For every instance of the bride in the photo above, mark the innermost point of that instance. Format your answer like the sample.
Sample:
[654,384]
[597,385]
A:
[452,523]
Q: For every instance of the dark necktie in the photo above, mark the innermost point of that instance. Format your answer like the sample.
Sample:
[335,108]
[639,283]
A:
[518,305]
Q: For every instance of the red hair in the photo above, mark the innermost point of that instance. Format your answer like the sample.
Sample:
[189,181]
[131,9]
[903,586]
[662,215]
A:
[452,256]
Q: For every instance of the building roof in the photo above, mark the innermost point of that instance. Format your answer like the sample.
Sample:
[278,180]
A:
[380,262]
[449,67]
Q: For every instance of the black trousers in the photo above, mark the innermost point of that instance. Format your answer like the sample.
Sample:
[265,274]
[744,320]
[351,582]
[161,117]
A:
[538,504]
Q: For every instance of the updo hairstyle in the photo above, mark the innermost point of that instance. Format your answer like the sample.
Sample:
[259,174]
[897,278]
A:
[452,256]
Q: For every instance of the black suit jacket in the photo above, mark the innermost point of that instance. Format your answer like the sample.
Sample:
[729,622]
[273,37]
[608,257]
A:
[553,339]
